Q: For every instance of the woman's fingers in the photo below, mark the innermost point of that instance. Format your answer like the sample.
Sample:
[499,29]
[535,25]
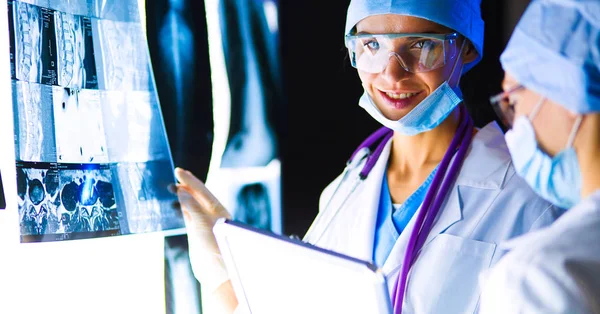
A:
[184,176]
[188,203]
[197,189]
[200,193]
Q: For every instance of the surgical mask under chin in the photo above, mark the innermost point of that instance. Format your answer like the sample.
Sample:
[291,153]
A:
[557,179]
[427,115]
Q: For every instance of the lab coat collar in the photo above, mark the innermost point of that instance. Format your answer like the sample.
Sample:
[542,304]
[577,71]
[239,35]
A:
[488,161]
[587,211]
[486,167]
[354,212]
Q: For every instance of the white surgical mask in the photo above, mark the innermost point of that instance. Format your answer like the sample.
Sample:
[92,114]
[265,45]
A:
[558,178]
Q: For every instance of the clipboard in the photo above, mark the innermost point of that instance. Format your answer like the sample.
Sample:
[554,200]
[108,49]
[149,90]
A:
[275,274]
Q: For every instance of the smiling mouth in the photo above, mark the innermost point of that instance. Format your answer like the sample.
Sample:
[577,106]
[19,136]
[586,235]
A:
[400,96]
[400,100]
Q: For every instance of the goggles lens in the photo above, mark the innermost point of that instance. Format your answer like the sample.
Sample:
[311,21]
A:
[504,106]
[415,52]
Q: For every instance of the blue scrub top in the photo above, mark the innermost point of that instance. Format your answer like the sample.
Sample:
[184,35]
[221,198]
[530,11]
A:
[392,221]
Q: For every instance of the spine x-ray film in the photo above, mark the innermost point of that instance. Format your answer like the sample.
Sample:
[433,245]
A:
[92,156]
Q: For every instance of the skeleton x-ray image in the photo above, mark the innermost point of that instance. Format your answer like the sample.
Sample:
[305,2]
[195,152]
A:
[254,206]
[66,202]
[115,10]
[11,40]
[178,41]
[251,55]
[188,76]
[34,122]
[182,289]
[144,189]
[124,64]
[75,48]
[253,195]
[133,126]
[79,131]
[34,61]
[92,154]
[52,47]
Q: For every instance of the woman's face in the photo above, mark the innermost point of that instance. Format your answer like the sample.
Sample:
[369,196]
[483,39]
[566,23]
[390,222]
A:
[552,123]
[386,88]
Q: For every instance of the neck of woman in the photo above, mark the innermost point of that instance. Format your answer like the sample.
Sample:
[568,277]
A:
[424,151]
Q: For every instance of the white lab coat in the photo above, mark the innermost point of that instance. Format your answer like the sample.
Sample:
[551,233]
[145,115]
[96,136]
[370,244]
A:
[488,204]
[553,270]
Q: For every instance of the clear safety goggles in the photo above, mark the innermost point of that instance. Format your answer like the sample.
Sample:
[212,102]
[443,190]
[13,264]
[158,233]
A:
[504,105]
[416,52]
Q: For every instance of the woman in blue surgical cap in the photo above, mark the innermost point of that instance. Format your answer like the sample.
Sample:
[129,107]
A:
[434,195]
[552,104]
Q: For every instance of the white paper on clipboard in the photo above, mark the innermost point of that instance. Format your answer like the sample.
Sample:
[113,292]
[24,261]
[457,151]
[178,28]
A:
[273,274]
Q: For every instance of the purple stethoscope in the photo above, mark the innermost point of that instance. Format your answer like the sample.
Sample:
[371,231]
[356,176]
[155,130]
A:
[442,181]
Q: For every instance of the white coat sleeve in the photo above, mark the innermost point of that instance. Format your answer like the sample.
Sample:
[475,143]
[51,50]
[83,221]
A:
[539,284]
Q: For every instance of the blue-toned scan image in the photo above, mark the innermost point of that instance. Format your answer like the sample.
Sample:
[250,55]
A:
[66,202]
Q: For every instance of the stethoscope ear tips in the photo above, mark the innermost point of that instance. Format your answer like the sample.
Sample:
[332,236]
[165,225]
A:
[358,157]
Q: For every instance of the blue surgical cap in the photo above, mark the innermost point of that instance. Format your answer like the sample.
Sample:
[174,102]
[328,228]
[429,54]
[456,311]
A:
[463,16]
[555,51]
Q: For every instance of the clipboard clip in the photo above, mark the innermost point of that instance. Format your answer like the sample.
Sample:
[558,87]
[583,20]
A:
[295,237]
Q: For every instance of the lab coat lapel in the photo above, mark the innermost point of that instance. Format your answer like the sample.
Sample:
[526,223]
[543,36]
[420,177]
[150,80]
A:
[365,208]
[450,213]
[351,230]
[482,170]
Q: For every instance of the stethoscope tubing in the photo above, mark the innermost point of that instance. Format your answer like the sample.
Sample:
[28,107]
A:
[436,194]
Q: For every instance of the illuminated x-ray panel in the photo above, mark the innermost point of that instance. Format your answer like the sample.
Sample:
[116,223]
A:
[92,154]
